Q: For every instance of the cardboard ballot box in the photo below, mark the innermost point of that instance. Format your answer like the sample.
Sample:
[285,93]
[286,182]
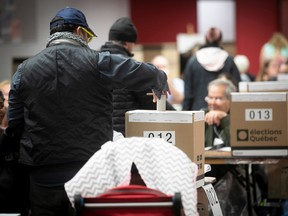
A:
[258,124]
[185,129]
[267,86]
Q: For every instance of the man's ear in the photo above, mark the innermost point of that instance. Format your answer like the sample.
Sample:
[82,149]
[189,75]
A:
[78,31]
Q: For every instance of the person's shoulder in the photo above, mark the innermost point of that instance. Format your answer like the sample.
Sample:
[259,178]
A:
[230,60]
[284,51]
[192,60]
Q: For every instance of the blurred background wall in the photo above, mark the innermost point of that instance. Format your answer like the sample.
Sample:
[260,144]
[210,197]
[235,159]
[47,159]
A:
[159,24]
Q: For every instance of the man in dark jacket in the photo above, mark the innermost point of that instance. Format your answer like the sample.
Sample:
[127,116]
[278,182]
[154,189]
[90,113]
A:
[122,37]
[62,100]
[210,61]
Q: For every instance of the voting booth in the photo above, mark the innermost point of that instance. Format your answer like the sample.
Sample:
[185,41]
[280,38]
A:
[259,124]
[184,129]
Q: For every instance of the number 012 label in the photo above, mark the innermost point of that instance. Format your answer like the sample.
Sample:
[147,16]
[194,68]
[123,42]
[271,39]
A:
[168,136]
[258,115]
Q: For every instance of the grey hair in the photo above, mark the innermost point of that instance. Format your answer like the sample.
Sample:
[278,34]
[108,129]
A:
[229,86]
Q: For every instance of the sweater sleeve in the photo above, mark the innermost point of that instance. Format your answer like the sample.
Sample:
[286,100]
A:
[225,125]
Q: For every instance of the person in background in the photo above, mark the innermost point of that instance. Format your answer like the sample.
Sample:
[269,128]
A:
[209,61]
[184,57]
[4,193]
[269,71]
[283,72]
[122,38]
[217,119]
[176,85]
[60,106]
[242,62]
[5,88]
[13,179]
[217,135]
[283,69]
[275,48]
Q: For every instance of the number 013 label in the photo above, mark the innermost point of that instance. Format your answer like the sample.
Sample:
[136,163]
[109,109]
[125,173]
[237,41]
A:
[168,136]
[258,115]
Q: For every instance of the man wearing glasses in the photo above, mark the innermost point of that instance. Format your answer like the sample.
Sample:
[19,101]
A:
[217,135]
[62,100]
[217,120]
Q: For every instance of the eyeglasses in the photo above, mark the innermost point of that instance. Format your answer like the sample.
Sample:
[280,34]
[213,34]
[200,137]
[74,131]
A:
[217,99]
[90,35]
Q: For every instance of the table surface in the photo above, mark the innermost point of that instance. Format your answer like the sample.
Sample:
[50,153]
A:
[225,157]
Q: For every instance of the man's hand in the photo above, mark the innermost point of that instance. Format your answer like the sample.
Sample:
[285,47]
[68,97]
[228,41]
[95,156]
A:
[214,117]
[163,93]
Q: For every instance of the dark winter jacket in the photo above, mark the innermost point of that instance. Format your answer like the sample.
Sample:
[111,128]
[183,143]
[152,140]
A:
[125,100]
[63,96]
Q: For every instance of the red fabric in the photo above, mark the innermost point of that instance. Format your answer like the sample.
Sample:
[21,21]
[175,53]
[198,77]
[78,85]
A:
[131,193]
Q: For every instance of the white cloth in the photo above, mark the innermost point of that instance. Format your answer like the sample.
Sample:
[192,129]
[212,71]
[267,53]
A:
[162,166]
[117,135]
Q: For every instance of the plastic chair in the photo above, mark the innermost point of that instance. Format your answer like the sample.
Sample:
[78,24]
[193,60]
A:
[129,201]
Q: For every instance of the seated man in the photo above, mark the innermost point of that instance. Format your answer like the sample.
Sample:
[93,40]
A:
[217,135]
[217,119]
